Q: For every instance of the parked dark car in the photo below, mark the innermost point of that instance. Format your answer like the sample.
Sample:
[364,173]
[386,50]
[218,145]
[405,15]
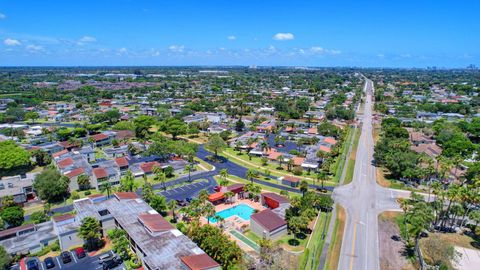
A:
[189,200]
[111,263]
[66,257]
[32,264]
[217,188]
[104,257]
[80,252]
[181,203]
[49,263]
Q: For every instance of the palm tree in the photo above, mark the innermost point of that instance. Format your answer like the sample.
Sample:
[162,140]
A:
[321,176]
[107,186]
[224,175]
[303,187]
[160,176]
[453,193]
[229,195]
[172,205]
[289,164]
[203,195]
[209,211]
[280,160]
[250,175]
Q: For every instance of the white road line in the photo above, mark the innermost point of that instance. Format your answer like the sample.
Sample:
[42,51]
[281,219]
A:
[73,255]
[41,264]
[59,264]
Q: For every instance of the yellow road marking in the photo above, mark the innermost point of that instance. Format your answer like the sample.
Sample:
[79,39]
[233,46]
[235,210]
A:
[353,245]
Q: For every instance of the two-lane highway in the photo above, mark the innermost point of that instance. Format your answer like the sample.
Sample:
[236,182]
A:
[363,200]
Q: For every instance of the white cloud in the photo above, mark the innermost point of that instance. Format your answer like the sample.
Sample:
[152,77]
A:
[2,16]
[231,37]
[11,42]
[34,48]
[122,50]
[317,49]
[86,39]
[283,36]
[176,48]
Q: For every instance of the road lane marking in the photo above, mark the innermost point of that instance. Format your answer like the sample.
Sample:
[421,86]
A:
[353,245]
[59,264]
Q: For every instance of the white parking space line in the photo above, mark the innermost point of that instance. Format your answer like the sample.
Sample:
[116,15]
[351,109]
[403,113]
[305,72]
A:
[73,255]
[41,264]
[59,264]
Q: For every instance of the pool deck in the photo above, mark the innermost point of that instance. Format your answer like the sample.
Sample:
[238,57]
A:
[237,221]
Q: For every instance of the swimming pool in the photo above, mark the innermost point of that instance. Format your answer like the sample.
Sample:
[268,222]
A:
[242,210]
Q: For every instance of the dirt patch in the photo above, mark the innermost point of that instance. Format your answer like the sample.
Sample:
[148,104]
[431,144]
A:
[391,257]
[381,178]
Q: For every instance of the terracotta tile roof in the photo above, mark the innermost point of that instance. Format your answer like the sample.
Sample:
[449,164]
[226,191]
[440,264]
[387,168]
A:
[121,161]
[123,134]
[268,220]
[274,155]
[60,153]
[148,166]
[199,262]
[65,163]
[312,130]
[100,173]
[155,222]
[276,197]
[236,187]
[325,148]
[99,137]
[297,161]
[290,178]
[75,172]
[63,217]
[126,195]
[330,140]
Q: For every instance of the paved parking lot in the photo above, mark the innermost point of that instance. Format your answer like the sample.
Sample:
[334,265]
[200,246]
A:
[186,191]
[88,262]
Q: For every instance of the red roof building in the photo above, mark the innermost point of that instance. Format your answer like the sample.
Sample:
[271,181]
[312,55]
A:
[200,262]
[125,195]
[122,162]
[147,167]
[216,197]
[61,153]
[100,173]
[268,224]
[65,163]
[75,172]
[273,200]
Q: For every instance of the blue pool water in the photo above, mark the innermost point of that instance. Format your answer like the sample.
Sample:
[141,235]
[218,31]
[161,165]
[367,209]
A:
[242,210]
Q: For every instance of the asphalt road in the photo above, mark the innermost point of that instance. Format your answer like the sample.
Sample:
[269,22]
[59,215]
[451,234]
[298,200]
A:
[363,200]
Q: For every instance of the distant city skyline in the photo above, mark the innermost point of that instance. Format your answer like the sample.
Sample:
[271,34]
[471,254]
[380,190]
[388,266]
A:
[240,32]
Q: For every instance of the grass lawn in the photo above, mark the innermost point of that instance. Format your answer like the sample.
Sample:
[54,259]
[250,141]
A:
[204,163]
[341,160]
[235,179]
[310,259]
[244,160]
[351,161]
[335,246]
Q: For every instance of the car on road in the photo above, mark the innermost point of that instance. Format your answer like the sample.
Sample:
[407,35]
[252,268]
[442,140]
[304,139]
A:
[32,264]
[104,257]
[49,263]
[80,252]
[66,257]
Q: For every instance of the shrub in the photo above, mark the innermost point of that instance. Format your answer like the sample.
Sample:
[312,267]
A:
[74,195]
[297,170]
[88,192]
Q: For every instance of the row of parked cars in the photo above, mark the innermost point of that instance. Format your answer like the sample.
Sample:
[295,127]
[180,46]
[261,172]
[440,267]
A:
[107,261]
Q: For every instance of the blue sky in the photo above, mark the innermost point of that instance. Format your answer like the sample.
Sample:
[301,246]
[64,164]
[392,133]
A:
[392,33]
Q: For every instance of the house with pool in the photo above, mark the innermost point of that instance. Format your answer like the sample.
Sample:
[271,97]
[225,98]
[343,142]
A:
[265,218]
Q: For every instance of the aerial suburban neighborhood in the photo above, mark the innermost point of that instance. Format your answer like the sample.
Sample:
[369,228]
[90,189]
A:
[246,148]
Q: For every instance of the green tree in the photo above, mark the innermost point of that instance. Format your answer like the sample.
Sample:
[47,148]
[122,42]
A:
[39,217]
[12,215]
[90,232]
[250,175]
[41,157]
[174,127]
[51,185]
[172,205]
[160,176]
[32,116]
[83,181]
[12,156]
[223,175]
[159,204]
[216,144]
[5,258]
[303,187]
[127,182]
[142,124]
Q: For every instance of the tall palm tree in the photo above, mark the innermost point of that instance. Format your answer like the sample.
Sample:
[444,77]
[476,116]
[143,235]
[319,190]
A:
[203,195]
[172,205]
[224,175]
[250,175]
[321,175]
